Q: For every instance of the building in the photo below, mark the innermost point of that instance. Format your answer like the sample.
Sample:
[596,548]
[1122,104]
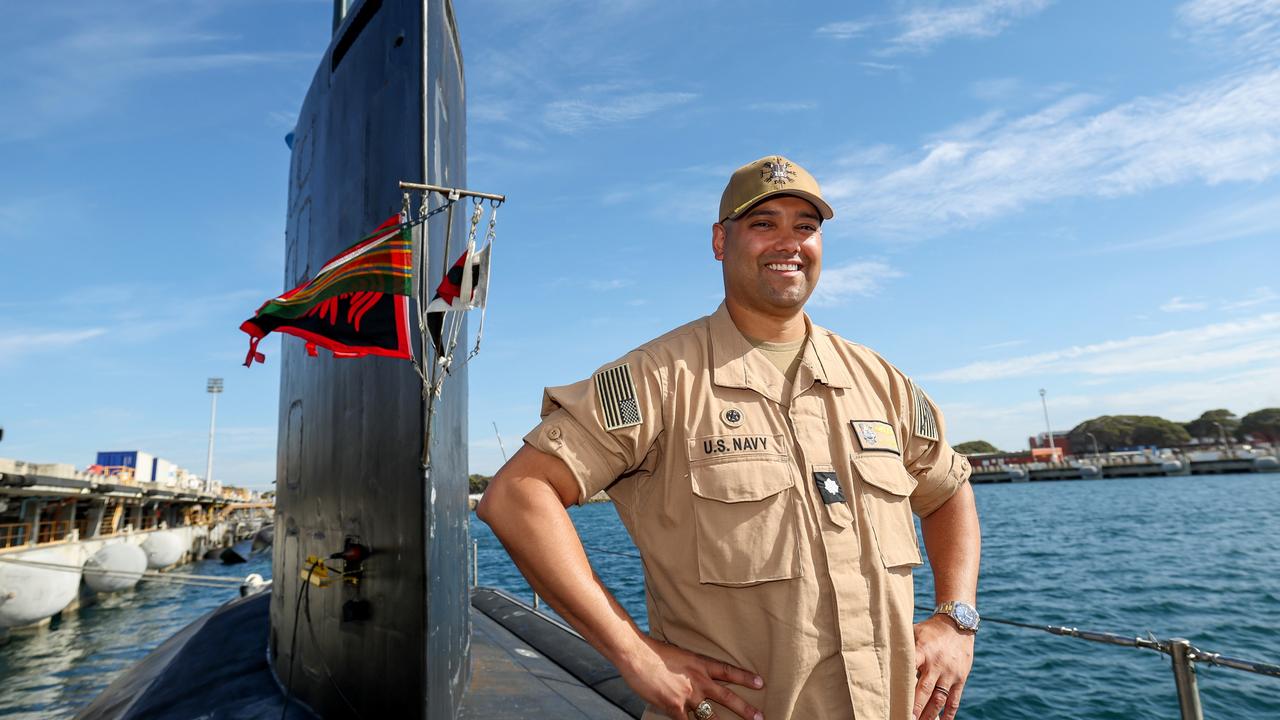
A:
[1060,440]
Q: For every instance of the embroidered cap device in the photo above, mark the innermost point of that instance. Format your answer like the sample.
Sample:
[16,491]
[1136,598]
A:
[766,177]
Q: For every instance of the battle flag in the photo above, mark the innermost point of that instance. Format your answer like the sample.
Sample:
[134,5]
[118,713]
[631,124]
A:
[459,290]
[357,305]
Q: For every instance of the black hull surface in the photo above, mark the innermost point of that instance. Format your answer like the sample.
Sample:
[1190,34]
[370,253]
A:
[386,104]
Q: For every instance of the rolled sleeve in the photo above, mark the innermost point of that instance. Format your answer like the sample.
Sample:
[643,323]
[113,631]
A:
[575,427]
[941,482]
[593,467]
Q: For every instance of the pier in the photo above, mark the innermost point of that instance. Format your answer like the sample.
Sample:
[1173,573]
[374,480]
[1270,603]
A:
[1106,467]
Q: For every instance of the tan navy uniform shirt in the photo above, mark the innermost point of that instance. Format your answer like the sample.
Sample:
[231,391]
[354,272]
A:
[775,533]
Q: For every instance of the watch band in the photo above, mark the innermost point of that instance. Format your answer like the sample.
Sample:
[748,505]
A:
[949,608]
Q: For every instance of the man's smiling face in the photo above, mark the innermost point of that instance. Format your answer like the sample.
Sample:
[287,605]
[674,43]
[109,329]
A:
[772,255]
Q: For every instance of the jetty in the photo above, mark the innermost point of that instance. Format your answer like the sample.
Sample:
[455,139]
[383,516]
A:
[1003,468]
[68,535]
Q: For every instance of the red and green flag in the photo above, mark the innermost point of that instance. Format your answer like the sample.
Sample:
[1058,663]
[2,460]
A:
[357,305]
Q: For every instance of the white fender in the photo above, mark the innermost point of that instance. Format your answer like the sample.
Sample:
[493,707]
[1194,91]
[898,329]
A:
[32,593]
[124,561]
[163,548]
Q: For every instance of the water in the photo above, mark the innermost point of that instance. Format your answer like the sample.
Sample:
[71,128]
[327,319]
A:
[1194,557]
[54,671]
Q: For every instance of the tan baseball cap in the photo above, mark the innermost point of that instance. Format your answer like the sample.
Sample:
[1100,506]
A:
[770,175]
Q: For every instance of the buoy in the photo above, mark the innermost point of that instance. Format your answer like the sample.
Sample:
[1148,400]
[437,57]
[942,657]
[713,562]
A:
[252,585]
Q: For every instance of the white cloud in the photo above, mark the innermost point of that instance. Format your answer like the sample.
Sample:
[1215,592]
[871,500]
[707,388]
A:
[1219,132]
[575,115]
[845,29]
[1236,221]
[1210,347]
[879,67]
[15,344]
[1259,296]
[920,29]
[1251,28]
[611,284]
[1177,304]
[93,56]
[784,107]
[839,284]
[924,28]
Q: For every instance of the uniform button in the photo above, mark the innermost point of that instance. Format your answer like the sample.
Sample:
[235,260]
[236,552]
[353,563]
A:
[554,433]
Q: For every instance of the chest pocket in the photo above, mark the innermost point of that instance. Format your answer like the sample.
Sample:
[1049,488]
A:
[885,491]
[747,528]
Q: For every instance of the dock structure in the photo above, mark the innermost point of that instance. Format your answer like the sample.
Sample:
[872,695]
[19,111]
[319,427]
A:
[1106,467]
[60,526]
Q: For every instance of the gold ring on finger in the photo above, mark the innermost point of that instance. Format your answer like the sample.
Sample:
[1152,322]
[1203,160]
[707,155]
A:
[704,711]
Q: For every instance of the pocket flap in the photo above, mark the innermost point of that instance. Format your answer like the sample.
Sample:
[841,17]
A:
[740,480]
[885,472]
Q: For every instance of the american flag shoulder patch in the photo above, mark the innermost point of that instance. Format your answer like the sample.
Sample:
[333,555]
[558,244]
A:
[617,392]
[923,420]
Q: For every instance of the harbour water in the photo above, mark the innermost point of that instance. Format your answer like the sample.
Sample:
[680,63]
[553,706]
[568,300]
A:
[53,671]
[1193,557]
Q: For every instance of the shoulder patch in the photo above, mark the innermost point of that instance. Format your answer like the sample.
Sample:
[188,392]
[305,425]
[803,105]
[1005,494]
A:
[924,424]
[617,393]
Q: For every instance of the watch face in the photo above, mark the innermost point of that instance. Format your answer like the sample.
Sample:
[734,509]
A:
[966,615]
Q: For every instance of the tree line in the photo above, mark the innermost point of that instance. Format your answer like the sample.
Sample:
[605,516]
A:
[1113,432]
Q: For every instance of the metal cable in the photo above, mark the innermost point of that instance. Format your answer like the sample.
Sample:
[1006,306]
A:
[209,581]
[1148,643]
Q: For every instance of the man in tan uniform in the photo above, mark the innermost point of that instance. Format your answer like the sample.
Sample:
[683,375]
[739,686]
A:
[767,471]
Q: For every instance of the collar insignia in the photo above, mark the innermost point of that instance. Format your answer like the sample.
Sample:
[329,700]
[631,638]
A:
[829,487]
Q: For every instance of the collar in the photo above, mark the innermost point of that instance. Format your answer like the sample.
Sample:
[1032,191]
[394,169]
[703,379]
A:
[733,364]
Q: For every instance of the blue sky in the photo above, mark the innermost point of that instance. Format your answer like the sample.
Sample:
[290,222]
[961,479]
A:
[1081,197]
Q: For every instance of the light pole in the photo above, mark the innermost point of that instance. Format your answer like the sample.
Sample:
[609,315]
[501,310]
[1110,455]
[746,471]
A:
[1226,444]
[1047,427]
[215,389]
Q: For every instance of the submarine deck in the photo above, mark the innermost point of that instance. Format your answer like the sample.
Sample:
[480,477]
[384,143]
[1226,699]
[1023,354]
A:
[523,665]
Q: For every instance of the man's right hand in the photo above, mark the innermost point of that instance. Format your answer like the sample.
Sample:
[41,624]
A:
[674,680]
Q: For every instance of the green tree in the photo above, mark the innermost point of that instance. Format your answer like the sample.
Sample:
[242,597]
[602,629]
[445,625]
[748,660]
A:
[1118,431]
[479,483]
[976,447]
[1263,424]
[1207,425]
